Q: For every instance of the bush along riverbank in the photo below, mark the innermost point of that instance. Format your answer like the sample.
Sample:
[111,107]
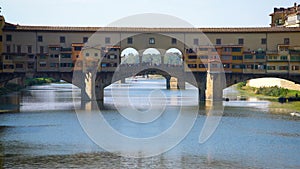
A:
[274,92]
[12,87]
[39,81]
[280,98]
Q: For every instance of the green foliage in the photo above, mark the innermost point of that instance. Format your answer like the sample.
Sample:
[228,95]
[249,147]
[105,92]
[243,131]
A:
[241,85]
[272,91]
[39,81]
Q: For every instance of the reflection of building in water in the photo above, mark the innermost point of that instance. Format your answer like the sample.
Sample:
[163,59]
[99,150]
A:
[10,103]
[1,155]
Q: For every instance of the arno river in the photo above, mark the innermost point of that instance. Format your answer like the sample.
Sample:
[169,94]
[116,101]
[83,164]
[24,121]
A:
[45,132]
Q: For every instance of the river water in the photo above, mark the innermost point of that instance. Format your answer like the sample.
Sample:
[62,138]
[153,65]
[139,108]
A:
[44,132]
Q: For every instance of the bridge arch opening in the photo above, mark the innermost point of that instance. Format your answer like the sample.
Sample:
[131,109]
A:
[259,82]
[173,57]
[129,56]
[151,56]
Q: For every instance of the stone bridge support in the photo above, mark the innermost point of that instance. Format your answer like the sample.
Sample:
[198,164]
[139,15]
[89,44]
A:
[181,83]
[92,89]
[168,82]
[215,83]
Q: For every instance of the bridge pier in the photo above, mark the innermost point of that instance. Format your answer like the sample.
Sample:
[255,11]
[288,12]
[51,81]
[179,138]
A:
[168,83]
[215,83]
[180,83]
[92,92]
[201,91]
[123,80]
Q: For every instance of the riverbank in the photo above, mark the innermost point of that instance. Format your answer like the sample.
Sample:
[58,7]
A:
[12,87]
[272,94]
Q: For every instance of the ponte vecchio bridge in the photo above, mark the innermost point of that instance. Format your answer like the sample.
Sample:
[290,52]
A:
[90,57]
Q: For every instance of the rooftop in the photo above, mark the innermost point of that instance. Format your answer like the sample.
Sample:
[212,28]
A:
[13,27]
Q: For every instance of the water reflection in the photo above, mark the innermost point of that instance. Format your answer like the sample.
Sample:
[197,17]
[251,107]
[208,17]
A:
[10,103]
[46,133]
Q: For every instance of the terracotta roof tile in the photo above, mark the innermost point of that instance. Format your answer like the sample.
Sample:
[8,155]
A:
[12,27]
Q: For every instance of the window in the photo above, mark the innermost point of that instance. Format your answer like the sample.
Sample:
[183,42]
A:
[226,57]
[248,56]
[226,49]
[8,38]
[8,49]
[19,65]
[202,65]
[272,57]
[218,41]
[85,39]
[249,66]
[8,57]
[213,65]
[0,38]
[43,64]
[54,55]
[151,41]
[260,67]
[226,65]
[286,41]
[240,41]
[283,57]
[107,40]
[30,65]
[66,55]
[236,49]
[237,57]
[66,65]
[283,68]
[129,40]
[29,49]
[174,41]
[62,39]
[203,49]
[236,66]
[77,48]
[294,67]
[41,49]
[40,38]
[30,56]
[192,65]
[193,57]
[196,41]
[54,65]
[295,58]
[87,54]
[112,57]
[43,57]
[260,56]
[263,41]
[271,67]
[19,49]
[203,57]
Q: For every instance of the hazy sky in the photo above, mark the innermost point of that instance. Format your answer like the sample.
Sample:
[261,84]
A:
[200,13]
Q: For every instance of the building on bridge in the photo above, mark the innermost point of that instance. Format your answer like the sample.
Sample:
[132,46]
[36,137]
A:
[246,52]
